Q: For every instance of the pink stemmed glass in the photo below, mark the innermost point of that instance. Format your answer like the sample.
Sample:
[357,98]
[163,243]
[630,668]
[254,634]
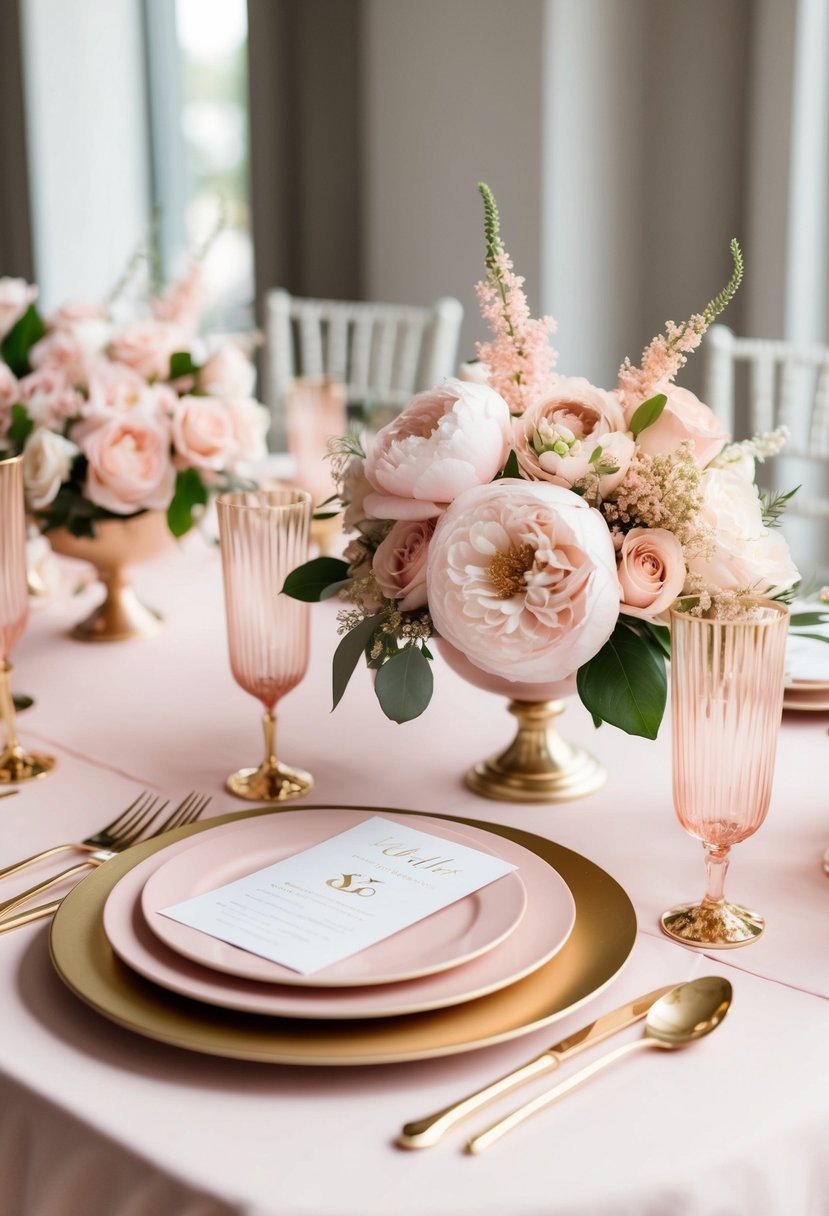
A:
[727,675]
[16,765]
[264,536]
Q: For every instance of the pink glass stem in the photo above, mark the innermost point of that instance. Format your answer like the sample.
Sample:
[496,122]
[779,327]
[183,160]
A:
[716,868]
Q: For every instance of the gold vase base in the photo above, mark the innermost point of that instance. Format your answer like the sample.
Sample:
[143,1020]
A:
[720,926]
[538,766]
[270,783]
[120,618]
[17,766]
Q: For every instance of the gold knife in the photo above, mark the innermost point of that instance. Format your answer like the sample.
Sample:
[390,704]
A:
[423,1133]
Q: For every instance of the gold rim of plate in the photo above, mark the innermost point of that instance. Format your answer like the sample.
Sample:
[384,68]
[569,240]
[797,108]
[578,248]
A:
[598,948]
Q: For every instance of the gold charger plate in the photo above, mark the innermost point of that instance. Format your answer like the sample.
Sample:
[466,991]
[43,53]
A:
[599,946]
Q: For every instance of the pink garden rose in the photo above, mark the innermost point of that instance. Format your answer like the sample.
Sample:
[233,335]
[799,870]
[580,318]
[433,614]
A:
[251,422]
[556,436]
[744,554]
[400,563]
[684,417]
[445,441]
[115,388]
[129,462]
[9,396]
[522,580]
[49,397]
[651,571]
[146,347]
[203,432]
[227,373]
[15,297]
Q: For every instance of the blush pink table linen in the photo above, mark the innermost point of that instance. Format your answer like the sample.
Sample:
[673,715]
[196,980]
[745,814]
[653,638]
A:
[96,1120]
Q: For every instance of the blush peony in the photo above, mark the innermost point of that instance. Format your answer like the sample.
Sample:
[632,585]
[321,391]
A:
[445,441]
[522,580]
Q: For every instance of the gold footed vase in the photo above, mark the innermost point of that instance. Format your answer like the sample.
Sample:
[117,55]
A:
[118,544]
[538,766]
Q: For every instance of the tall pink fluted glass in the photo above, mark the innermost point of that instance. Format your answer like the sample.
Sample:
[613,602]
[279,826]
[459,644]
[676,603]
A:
[727,676]
[15,764]
[316,411]
[264,536]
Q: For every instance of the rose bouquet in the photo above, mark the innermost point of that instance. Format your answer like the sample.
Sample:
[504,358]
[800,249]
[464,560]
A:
[114,418]
[542,526]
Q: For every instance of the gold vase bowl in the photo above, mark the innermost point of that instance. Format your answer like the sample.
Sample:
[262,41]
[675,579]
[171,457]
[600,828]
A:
[118,544]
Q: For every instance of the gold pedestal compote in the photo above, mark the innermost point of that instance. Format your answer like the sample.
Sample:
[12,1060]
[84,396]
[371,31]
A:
[727,677]
[538,766]
[264,536]
[16,765]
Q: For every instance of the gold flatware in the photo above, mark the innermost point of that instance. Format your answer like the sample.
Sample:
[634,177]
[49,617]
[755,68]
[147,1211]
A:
[424,1133]
[105,838]
[8,793]
[187,812]
[688,1012]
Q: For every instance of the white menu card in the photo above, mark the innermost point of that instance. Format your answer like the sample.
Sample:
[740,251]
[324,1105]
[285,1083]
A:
[341,895]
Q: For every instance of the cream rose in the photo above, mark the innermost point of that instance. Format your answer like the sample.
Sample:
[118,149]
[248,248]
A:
[227,373]
[400,563]
[745,555]
[684,417]
[146,346]
[203,432]
[445,441]
[129,463]
[651,571]
[15,297]
[522,580]
[572,431]
[47,461]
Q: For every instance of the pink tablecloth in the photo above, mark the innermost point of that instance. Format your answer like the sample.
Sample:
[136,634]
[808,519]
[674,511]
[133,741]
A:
[97,1121]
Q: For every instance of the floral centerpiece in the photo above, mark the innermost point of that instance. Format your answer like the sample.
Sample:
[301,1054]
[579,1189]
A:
[542,526]
[116,417]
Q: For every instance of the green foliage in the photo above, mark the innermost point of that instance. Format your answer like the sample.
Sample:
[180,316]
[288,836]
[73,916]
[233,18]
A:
[20,339]
[492,225]
[721,301]
[404,685]
[181,364]
[21,427]
[800,619]
[347,655]
[774,505]
[190,492]
[512,468]
[647,414]
[625,684]
[310,580]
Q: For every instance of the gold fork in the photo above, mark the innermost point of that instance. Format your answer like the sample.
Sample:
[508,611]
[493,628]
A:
[104,838]
[187,812]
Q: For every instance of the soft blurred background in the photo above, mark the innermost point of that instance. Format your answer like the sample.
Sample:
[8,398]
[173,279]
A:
[626,141]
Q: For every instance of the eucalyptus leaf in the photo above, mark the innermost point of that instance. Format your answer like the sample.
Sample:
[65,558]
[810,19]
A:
[333,588]
[311,579]
[347,655]
[647,414]
[625,683]
[404,685]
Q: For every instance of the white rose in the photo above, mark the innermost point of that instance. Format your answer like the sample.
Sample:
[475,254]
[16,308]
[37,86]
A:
[747,555]
[47,459]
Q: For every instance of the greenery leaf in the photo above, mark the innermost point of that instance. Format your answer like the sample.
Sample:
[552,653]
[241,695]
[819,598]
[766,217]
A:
[20,339]
[347,655]
[625,683]
[404,685]
[21,427]
[190,492]
[309,580]
[512,468]
[815,637]
[808,618]
[647,414]
[181,364]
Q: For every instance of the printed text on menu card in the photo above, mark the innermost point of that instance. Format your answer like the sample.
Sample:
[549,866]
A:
[342,895]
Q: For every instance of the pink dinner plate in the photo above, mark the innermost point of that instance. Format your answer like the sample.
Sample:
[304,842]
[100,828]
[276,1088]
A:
[540,934]
[453,935]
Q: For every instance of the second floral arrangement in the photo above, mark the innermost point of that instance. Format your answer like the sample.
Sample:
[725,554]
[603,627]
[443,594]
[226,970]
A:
[542,526]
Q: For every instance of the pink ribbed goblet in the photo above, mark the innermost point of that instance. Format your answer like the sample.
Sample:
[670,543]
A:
[264,536]
[727,676]
[15,764]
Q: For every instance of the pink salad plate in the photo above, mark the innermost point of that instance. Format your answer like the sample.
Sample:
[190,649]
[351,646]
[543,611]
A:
[541,933]
[455,934]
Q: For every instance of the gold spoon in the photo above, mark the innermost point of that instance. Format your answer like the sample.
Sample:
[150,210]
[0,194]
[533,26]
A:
[686,1013]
